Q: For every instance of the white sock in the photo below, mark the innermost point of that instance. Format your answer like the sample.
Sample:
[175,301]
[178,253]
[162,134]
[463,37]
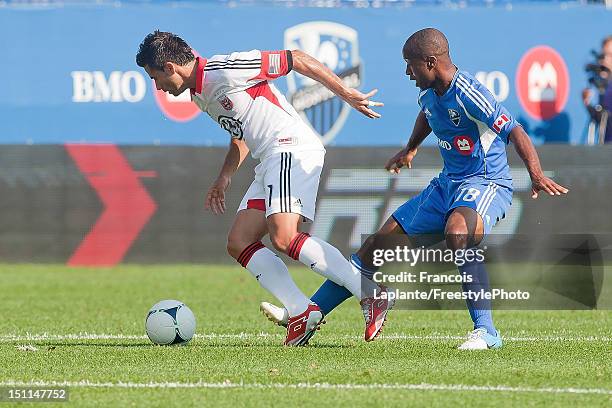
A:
[272,274]
[327,261]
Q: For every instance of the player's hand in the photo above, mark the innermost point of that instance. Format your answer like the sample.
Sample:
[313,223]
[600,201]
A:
[403,158]
[215,198]
[543,183]
[362,102]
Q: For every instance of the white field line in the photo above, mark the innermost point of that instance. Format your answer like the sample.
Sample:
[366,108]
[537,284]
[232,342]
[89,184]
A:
[318,386]
[11,338]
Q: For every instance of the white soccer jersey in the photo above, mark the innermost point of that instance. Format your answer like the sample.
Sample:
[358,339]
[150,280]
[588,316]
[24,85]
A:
[236,92]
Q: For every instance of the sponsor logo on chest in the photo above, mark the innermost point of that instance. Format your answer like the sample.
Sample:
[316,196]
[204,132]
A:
[464,144]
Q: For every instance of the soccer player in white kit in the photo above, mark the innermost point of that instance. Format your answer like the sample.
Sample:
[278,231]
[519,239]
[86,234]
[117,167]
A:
[236,92]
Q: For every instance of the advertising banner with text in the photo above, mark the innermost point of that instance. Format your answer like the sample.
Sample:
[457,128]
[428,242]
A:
[70,72]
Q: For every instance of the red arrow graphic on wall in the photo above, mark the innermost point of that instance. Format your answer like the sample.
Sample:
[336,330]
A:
[128,206]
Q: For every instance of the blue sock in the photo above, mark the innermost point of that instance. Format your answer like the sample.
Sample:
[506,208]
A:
[330,295]
[480,311]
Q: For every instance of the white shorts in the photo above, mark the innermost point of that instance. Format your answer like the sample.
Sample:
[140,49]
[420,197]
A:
[286,182]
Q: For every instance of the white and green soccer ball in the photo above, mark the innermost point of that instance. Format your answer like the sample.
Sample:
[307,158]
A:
[170,322]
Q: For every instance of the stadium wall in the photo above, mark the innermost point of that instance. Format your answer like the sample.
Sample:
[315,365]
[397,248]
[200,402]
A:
[102,204]
[71,74]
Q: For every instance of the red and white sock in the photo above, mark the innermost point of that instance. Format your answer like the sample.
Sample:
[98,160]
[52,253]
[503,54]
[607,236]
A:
[327,261]
[272,274]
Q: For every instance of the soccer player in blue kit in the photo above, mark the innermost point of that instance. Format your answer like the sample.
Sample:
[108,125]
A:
[473,191]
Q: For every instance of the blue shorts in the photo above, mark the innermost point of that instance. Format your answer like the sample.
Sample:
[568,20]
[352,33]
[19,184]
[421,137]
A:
[427,212]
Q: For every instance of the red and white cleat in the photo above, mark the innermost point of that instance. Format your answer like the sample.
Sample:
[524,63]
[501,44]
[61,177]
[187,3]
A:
[375,313]
[302,327]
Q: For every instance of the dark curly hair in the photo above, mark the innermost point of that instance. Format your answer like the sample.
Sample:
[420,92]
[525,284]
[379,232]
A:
[160,47]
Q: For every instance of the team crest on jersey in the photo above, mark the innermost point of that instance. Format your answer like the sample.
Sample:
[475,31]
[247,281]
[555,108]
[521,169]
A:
[336,46]
[226,102]
[454,117]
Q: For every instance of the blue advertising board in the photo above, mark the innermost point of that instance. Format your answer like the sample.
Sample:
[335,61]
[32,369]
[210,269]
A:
[69,73]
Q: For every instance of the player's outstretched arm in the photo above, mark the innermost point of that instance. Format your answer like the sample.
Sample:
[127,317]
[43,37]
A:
[525,149]
[312,68]
[215,198]
[404,157]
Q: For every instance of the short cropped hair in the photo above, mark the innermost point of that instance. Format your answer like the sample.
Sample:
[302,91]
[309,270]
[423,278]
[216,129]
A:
[160,47]
[425,43]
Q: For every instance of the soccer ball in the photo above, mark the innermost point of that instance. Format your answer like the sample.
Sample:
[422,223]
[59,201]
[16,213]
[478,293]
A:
[170,322]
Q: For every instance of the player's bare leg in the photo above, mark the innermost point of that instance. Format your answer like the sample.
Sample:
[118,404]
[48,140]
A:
[249,226]
[465,229]
[283,227]
[244,245]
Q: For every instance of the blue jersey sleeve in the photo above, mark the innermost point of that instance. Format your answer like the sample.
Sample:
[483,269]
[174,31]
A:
[479,104]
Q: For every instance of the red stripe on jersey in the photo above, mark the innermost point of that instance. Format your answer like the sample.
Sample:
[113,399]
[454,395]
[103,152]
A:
[278,68]
[200,63]
[257,204]
[263,89]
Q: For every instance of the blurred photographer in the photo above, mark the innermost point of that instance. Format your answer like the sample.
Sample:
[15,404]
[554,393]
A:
[600,78]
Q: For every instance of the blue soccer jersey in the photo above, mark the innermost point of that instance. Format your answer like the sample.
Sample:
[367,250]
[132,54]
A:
[472,129]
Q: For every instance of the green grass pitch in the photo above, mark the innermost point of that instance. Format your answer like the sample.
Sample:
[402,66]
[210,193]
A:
[550,358]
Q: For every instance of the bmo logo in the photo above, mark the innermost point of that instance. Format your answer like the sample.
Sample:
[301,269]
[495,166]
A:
[118,86]
[464,145]
[542,82]
[129,86]
[496,82]
[444,144]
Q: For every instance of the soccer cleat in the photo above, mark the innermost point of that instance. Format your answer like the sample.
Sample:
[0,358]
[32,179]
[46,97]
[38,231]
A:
[275,314]
[302,327]
[480,339]
[375,313]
